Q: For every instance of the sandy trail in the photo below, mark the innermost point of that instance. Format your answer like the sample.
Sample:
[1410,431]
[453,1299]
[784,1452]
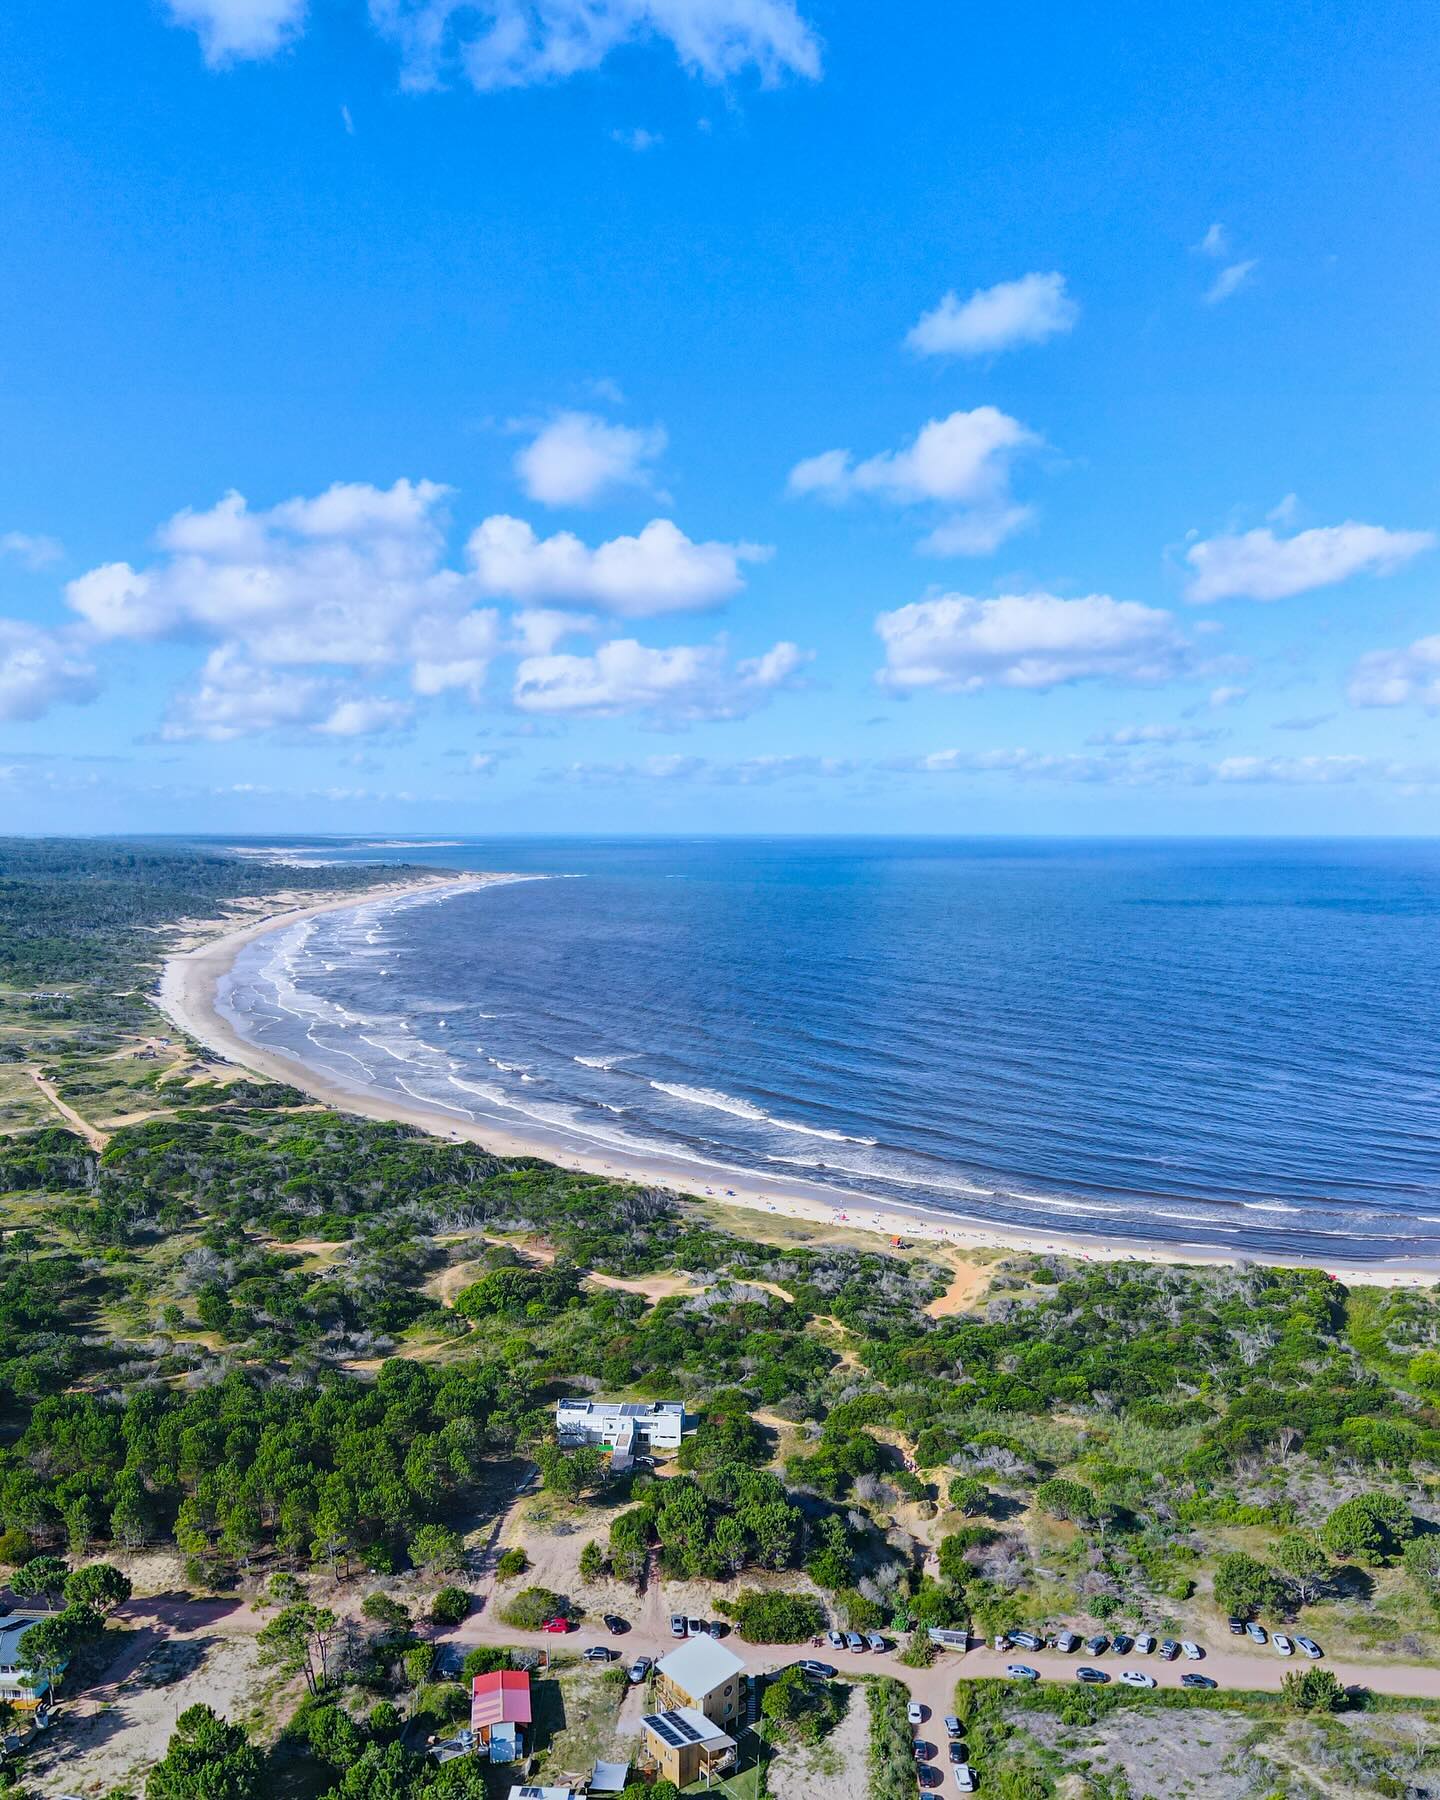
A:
[92,1134]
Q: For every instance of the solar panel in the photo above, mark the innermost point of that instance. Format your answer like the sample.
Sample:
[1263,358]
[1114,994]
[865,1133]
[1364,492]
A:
[692,1736]
[664,1726]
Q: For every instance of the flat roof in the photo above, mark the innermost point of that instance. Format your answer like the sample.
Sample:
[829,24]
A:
[621,1409]
[609,1777]
[699,1665]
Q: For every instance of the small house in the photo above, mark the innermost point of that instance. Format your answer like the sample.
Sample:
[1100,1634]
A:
[628,1428]
[19,1682]
[704,1675]
[500,1714]
[684,1745]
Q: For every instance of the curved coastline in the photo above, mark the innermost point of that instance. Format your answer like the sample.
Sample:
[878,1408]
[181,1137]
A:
[188,995]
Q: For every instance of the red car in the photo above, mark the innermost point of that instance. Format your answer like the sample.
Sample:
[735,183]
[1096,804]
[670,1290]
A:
[556,1625]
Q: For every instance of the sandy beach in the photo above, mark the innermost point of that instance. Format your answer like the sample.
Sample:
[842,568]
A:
[187,995]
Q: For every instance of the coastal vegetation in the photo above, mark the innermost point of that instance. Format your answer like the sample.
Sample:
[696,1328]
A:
[301,1353]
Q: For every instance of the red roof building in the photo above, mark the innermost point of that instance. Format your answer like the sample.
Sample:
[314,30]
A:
[499,1702]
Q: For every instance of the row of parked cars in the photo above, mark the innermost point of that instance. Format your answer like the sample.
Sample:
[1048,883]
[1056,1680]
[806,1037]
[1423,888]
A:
[1282,1645]
[959,1757]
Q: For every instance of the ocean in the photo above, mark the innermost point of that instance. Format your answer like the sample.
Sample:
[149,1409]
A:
[1232,1046]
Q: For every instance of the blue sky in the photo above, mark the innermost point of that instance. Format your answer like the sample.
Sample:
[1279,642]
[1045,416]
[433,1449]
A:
[691,415]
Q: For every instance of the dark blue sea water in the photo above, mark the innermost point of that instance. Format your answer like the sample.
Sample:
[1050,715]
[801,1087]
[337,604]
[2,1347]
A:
[1228,1045]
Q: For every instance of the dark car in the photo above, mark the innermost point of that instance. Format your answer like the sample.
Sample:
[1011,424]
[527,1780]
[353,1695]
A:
[923,1751]
[957,1750]
[1120,1643]
[821,1671]
[1191,1680]
[1169,1649]
[1097,1645]
[1026,1640]
[1237,1627]
[615,1625]
[928,1775]
[1092,1675]
[718,1628]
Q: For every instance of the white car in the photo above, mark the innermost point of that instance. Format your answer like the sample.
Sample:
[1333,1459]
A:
[1021,1672]
[1310,1647]
[1137,1678]
[1145,1644]
[915,1713]
[964,1778]
[1282,1644]
[1193,1652]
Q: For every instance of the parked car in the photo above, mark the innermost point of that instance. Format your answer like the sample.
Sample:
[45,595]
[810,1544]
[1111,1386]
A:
[1282,1644]
[677,1624]
[1310,1647]
[876,1642]
[835,1639]
[1169,1649]
[1255,1633]
[615,1625]
[820,1671]
[953,1726]
[1191,1680]
[1097,1645]
[1137,1678]
[1193,1652]
[640,1669]
[556,1624]
[1121,1644]
[915,1713]
[957,1750]
[1026,1640]
[1021,1672]
[1083,1673]
[696,1628]
[719,1629]
[854,1642]
[1237,1627]
[929,1776]
[923,1751]
[965,1778]
[1067,1643]
[1145,1644]
[601,1653]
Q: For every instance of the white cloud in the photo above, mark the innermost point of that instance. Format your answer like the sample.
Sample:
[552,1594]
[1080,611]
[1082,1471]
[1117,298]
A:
[340,578]
[1026,311]
[1404,677]
[1124,736]
[239,698]
[1172,771]
[238,30]
[752,771]
[1257,565]
[40,669]
[1230,280]
[483,762]
[34,551]
[364,716]
[960,644]
[517,43]
[1226,696]
[659,571]
[453,654]
[679,684]
[579,457]
[962,460]
[638,139]
[1216,242]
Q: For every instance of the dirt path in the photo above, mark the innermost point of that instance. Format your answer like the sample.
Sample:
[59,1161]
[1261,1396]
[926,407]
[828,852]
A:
[96,1138]
[969,1286]
[653,1288]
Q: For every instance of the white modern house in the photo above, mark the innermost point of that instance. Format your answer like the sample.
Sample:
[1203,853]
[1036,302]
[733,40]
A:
[629,1428]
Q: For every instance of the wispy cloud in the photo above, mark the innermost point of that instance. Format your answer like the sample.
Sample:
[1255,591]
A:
[1027,311]
[1258,565]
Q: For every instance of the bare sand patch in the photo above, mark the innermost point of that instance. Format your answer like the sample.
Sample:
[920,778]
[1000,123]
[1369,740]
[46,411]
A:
[972,1280]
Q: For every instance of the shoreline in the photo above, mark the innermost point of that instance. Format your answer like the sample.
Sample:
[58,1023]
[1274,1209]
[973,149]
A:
[188,996]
